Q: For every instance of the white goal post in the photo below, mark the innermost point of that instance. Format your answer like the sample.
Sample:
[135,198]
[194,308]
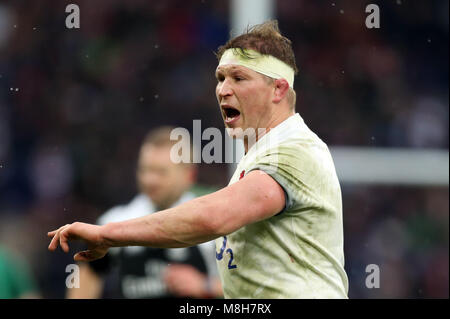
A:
[395,166]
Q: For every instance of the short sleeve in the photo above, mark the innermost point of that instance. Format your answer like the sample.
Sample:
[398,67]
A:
[284,165]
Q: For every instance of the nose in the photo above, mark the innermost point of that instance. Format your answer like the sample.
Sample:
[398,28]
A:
[224,89]
[149,180]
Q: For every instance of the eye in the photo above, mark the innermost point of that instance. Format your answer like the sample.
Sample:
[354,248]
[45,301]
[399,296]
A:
[220,78]
[237,78]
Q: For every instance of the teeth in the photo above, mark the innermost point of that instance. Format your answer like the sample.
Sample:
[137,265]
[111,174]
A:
[229,119]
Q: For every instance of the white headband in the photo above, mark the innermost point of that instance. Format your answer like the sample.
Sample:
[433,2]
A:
[261,63]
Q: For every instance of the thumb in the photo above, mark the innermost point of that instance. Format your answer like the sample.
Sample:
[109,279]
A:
[89,255]
[83,256]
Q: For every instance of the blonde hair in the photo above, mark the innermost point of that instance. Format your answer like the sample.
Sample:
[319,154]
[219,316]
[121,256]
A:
[265,38]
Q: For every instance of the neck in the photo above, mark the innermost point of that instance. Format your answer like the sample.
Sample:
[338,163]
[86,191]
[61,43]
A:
[273,122]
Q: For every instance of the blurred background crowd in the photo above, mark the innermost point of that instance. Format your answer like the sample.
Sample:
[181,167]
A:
[75,105]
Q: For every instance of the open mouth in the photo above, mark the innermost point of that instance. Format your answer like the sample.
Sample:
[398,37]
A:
[231,114]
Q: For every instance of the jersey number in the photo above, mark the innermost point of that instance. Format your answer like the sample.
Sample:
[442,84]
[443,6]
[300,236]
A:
[219,256]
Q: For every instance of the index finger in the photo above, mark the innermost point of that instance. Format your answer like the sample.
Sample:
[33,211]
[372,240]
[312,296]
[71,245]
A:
[63,240]
[54,242]
[51,233]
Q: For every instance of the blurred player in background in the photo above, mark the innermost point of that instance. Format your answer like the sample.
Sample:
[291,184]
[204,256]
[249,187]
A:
[278,223]
[145,272]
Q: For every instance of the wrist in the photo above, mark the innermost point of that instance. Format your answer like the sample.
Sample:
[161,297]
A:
[106,233]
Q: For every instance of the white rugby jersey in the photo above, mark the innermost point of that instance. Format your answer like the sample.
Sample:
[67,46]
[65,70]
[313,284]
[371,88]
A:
[297,253]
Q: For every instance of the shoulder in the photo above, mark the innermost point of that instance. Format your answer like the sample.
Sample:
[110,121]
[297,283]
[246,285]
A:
[297,150]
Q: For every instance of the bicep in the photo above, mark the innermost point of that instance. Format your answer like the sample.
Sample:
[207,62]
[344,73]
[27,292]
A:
[254,198]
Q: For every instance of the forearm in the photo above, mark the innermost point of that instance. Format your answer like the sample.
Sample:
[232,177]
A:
[254,198]
[182,226]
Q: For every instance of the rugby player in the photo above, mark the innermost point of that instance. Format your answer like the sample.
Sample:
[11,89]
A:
[278,224]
